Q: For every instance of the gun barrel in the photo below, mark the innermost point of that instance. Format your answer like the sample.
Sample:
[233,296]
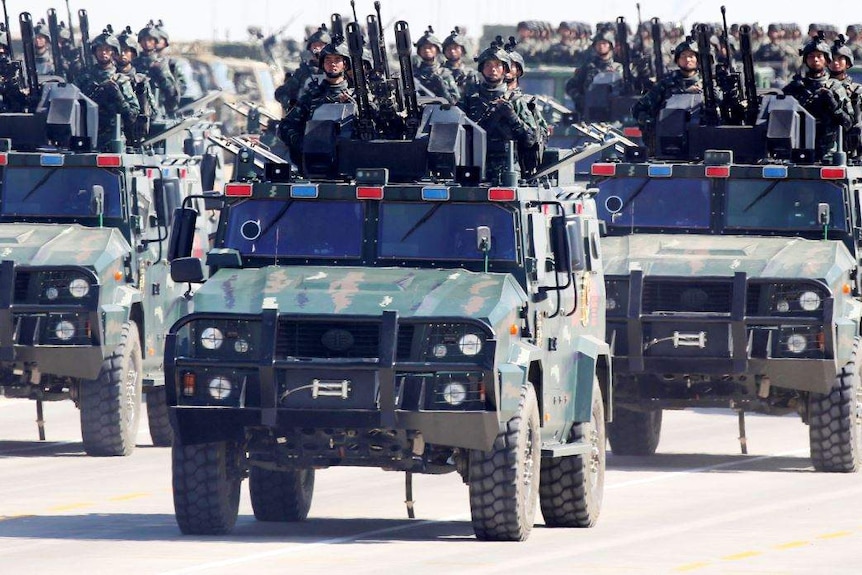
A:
[355,44]
[54,30]
[403,46]
[26,22]
[8,31]
[704,62]
[655,32]
[84,25]
[337,28]
[751,101]
[625,56]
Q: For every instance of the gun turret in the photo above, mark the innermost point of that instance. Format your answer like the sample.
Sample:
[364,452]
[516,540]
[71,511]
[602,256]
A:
[704,62]
[54,30]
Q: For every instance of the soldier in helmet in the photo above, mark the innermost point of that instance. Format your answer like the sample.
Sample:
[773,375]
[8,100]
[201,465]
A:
[842,60]
[12,98]
[455,50]
[296,83]
[70,58]
[129,50]
[685,80]
[111,90]
[434,77]
[334,62]
[531,157]
[490,105]
[823,97]
[603,61]
[163,48]
[42,46]
[162,82]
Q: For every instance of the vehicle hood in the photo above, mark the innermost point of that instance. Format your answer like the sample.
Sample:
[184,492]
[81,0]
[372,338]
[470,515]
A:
[362,291]
[61,245]
[691,255]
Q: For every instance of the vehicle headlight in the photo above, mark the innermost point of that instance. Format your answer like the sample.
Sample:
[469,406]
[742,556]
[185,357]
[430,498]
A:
[220,388]
[454,393]
[782,306]
[212,338]
[796,343]
[809,301]
[52,293]
[439,351]
[470,344]
[78,287]
[611,304]
[240,346]
[65,330]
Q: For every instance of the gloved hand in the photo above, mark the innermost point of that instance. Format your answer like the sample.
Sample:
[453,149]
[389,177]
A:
[827,100]
[506,111]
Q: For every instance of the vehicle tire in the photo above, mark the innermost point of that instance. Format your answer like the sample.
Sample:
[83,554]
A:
[634,432]
[504,481]
[206,482]
[834,419]
[571,488]
[111,405]
[281,495]
[161,431]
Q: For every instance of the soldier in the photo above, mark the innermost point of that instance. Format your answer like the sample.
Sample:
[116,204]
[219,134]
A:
[163,48]
[111,90]
[853,31]
[70,58]
[455,50]
[531,157]
[489,104]
[603,61]
[435,78]
[42,46]
[162,82]
[295,84]
[685,80]
[823,97]
[777,53]
[334,62]
[129,49]
[564,51]
[842,59]
[12,97]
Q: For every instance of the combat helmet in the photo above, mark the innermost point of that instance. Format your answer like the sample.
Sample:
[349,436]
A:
[494,52]
[163,33]
[4,37]
[606,35]
[429,38]
[686,45]
[321,35]
[839,48]
[514,56]
[816,44]
[457,39]
[339,49]
[148,31]
[106,38]
[41,29]
[127,40]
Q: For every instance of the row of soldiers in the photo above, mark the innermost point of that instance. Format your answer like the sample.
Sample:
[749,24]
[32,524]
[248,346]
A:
[489,94]
[128,75]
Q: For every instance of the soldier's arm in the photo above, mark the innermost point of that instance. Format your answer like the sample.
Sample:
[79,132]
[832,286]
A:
[130,108]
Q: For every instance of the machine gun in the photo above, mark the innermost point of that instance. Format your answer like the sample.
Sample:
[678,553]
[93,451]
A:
[388,92]
[658,57]
[364,112]
[625,55]
[752,103]
[403,46]
[33,89]
[705,63]
[729,80]
[84,25]
[54,30]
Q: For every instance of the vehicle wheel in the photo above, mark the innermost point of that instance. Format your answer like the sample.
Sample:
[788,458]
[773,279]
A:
[571,488]
[635,432]
[157,416]
[281,495]
[111,405]
[504,481]
[834,420]
[206,481]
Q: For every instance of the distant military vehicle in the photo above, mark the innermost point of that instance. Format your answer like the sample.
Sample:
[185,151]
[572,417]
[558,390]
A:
[391,309]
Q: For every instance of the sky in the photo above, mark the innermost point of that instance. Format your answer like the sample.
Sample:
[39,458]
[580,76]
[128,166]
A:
[229,19]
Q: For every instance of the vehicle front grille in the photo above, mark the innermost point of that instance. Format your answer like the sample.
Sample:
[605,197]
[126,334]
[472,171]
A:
[703,296]
[336,339]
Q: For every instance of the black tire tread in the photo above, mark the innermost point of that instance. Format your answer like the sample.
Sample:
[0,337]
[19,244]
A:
[205,488]
[635,432]
[281,495]
[161,431]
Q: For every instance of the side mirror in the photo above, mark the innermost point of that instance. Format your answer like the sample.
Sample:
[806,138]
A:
[182,234]
[187,270]
[209,164]
[560,245]
[97,200]
[577,249]
[824,215]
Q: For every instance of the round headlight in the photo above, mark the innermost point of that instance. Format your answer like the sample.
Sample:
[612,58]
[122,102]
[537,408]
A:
[782,306]
[79,287]
[610,304]
[64,330]
[454,393]
[240,346]
[470,344]
[796,343]
[52,293]
[439,351]
[220,388]
[809,301]
[212,338]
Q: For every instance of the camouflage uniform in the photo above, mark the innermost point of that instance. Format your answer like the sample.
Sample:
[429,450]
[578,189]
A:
[434,77]
[646,110]
[147,102]
[114,95]
[295,84]
[852,136]
[44,61]
[162,83]
[578,85]
[463,76]
[824,98]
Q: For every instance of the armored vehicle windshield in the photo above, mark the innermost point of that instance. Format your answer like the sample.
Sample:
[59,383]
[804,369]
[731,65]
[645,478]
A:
[59,192]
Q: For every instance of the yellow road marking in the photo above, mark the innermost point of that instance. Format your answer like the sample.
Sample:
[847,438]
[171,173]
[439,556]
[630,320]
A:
[70,506]
[128,497]
[792,545]
[835,535]
[743,555]
[692,566]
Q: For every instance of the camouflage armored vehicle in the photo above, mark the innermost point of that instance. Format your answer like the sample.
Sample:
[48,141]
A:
[371,314]
[85,295]
[732,277]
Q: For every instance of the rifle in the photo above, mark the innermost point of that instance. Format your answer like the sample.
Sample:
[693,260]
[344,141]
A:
[751,102]
[704,62]
[71,29]
[84,25]
[355,43]
[8,31]
[625,56]
[656,48]
[403,45]
[26,22]
[54,30]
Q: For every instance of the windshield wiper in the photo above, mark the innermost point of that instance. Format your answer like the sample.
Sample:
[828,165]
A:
[40,183]
[633,196]
[277,217]
[762,195]
[422,220]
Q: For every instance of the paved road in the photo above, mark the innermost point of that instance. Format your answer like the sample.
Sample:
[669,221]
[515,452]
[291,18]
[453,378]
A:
[697,507]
